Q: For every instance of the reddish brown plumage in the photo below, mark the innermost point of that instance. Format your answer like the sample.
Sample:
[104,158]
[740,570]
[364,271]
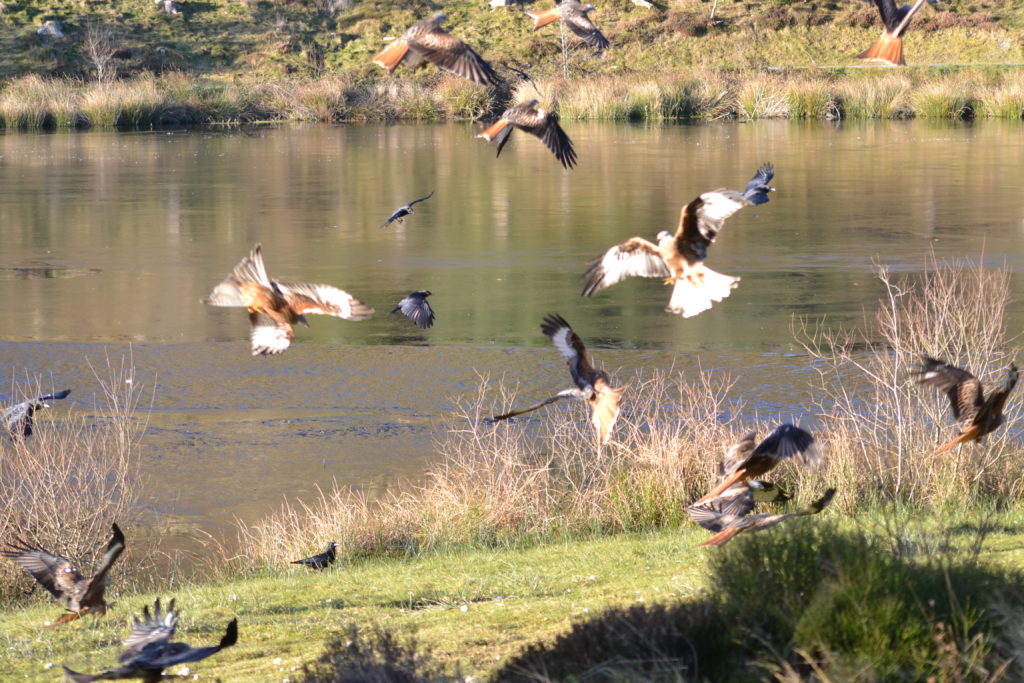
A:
[391,56]
[425,41]
[888,48]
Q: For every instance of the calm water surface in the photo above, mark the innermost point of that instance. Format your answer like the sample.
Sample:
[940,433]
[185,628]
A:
[110,240]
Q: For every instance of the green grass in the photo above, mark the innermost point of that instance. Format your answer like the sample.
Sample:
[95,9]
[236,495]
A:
[477,609]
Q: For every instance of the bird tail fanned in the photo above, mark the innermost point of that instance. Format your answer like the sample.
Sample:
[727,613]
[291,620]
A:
[494,130]
[726,483]
[723,536]
[887,49]
[695,292]
[545,17]
[391,56]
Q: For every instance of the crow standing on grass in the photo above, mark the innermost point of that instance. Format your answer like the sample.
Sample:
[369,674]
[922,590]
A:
[56,574]
[321,561]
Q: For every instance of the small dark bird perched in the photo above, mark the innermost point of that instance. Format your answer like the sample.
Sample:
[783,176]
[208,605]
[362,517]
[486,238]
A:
[745,462]
[575,16]
[888,49]
[150,649]
[416,308]
[19,419]
[592,385]
[975,414]
[679,257]
[275,306]
[426,41]
[403,211]
[321,561]
[728,517]
[57,575]
[537,122]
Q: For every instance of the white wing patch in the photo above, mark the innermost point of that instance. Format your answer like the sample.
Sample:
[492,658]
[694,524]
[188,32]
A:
[324,300]
[720,204]
[619,264]
[269,338]
[689,299]
[226,294]
[561,341]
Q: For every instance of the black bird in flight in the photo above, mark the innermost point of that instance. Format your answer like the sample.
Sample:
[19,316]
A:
[150,650]
[19,419]
[888,49]
[403,211]
[537,122]
[679,257]
[321,561]
[426,41]
[975,414]
[56,574]
[416,307]
[592,385]
[744,461]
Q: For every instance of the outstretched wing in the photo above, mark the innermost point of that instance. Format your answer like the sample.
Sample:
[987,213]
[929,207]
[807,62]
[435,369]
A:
[544,125]
[153,628]
[963,389]
[98,580]
[323,300]
[701,220]
[421,199]
[249,269]
[451,54]
[891,16]
[580,24]
[565,393]
[738,454]
[634,257]
[758,188]
[571,347]
[53,572]
[416,308]
[789,441]
[179,653]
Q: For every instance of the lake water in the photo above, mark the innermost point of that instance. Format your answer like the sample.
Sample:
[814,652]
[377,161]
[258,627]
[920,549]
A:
[110,241]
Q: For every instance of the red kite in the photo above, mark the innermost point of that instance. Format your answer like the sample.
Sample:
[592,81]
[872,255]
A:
[744,462]
[150,649]
[592,385]
[975,414]
[888,49]
[537,122]
[275,306]
[574,14]
[679,258]
[719,516]
[426,41]
[63,580]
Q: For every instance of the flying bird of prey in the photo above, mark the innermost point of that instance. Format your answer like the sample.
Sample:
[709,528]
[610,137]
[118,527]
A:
[726,518]
[150,650]
[888,48]
[19,419]
[404,210]
[538,122]
[975,414]
[275,306]
[321,561]
[57,575]
[679,258]
[745,462]
[575,16]
[592,385]
[426,41]
[416,308]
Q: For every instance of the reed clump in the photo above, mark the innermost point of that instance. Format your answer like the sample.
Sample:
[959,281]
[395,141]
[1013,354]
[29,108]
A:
[62,487]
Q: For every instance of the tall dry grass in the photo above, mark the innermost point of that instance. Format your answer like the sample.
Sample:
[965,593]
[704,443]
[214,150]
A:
[882,427]
[62,487]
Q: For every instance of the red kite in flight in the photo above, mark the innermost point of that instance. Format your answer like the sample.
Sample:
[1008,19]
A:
[975,414]
[574,14]
[426,41]
[592,385]
[744,462]
[57,575]
[728,517]
[275,306]
[679,258]
[150,649]
[888,49]
[537,122]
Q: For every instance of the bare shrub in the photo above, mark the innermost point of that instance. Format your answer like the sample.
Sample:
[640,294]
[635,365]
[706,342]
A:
[882,427]
[62,487]
[98,47]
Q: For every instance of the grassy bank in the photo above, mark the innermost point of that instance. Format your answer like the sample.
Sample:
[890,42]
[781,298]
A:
[930,605]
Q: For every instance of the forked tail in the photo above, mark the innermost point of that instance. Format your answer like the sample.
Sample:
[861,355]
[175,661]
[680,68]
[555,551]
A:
[545,17]
[391,56]
[723,536]
[887,49]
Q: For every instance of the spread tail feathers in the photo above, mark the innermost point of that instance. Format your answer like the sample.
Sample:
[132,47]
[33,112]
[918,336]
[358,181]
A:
[493,130]
[391,56]
[888,49]
[695,292]
[544,18]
